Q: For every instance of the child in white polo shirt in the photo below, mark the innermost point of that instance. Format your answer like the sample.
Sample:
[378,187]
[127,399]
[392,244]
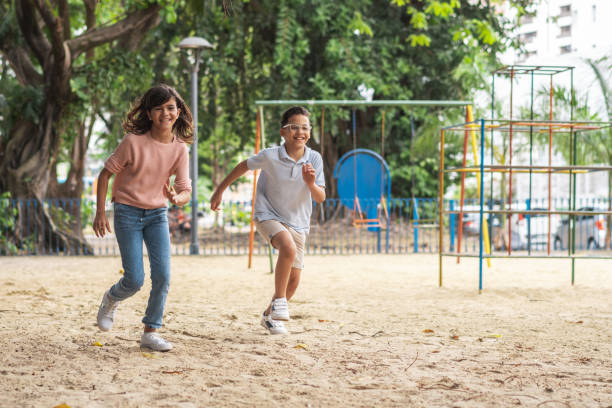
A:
[291,177]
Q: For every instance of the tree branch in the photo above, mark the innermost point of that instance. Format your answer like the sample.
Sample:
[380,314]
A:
[31,29]
[22,66]
[93,38]
[65,16]
[132,40]
[56,30]
[90,22]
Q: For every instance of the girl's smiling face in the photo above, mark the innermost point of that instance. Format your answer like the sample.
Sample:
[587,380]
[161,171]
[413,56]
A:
[163,116]
[296,132]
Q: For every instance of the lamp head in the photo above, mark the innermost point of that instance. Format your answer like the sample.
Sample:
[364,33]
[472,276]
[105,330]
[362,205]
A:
[194,43]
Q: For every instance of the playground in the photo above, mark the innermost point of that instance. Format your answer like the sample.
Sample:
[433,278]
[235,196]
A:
[365,331]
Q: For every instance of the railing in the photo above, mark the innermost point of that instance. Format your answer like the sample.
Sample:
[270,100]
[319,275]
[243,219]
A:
[403,225]
[530,232]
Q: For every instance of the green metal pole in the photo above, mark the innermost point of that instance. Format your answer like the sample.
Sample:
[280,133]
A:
[573,138]
[441,208]
[530,169]
[347,102]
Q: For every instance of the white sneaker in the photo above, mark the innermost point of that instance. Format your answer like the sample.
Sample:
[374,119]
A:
[155,342]
[273,326]
[279,309]
[106,312]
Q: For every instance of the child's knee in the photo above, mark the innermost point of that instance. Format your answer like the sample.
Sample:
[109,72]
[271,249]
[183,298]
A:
[132,283]
[289,249]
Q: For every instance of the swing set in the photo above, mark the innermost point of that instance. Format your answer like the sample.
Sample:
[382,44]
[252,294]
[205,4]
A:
[363,175]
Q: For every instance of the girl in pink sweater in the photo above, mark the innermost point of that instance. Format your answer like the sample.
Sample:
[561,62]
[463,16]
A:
[158,127]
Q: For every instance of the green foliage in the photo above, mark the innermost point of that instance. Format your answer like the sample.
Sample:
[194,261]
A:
[88,210]
[237,215]
[297,49]
[18,102]
[8,216]
[358,26]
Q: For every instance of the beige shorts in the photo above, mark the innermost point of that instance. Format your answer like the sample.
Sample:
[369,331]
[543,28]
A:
[269,228]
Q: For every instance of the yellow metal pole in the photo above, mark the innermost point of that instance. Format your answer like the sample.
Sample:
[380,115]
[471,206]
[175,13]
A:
[485,224]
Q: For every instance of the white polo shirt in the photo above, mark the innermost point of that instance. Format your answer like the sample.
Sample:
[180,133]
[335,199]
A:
[282,194]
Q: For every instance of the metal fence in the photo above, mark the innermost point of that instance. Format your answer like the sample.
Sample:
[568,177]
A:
[404,225]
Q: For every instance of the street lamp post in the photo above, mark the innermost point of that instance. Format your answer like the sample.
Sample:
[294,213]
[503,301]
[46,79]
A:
[196,44]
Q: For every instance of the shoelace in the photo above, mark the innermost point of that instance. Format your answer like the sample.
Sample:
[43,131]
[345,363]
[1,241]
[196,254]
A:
[275,323]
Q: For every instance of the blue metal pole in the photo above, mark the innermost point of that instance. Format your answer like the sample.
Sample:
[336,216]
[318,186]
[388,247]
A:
[388,210]
[415,222]
[482,134]
[451,204]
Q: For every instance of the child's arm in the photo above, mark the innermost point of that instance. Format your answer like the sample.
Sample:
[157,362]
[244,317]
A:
[100,224]
[238,171]
[309,176]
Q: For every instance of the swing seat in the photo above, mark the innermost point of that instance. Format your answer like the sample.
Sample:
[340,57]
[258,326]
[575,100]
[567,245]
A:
[372,222]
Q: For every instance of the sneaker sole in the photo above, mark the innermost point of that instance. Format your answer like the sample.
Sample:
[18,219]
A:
[102,328]
[152,349]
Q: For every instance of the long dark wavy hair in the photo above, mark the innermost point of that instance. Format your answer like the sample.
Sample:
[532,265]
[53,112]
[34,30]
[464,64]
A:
[138,122]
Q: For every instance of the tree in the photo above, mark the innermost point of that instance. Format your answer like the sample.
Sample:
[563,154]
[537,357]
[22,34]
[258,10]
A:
[42,48]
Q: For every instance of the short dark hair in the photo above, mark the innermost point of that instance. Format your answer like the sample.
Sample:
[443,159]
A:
[138,122]
[294,110]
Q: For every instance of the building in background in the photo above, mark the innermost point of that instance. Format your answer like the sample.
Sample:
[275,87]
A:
[561,33]
[565,32]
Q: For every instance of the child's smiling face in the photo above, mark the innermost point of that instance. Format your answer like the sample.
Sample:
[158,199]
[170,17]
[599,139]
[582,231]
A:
[164,115]
[296,132]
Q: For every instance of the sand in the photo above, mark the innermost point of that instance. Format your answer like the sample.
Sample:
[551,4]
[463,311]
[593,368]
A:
[365,331]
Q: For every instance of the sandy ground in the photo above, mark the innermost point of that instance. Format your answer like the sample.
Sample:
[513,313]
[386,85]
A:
[365,331]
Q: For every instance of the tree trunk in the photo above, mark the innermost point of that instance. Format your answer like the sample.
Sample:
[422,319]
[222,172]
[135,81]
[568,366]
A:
[27,169]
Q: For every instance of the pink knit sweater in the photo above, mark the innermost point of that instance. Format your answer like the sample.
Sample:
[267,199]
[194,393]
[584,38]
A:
[143,165]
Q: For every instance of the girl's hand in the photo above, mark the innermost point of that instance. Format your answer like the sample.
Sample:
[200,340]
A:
[308,174]
[101,225]
[168,189]
[179,199]
[215,200]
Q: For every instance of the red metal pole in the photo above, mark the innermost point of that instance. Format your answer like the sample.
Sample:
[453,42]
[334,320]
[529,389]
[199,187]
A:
[252,232]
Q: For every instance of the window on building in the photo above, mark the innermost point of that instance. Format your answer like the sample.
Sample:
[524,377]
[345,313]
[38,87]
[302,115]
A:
[565,49]
[566,31]
[528,19]
[565,10]
[528,37]
[525,55]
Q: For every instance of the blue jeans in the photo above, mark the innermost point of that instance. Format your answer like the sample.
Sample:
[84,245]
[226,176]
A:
[134,225]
